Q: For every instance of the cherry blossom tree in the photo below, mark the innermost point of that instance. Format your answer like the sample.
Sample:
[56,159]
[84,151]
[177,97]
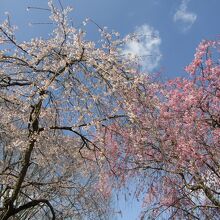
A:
[56,96]
[172,143]
[78,119]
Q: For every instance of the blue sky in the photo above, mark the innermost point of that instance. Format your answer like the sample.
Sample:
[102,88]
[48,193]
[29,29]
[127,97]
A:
[178,25]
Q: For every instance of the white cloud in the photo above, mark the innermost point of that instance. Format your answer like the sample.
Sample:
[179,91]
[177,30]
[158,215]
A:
[145,46]
[185,17]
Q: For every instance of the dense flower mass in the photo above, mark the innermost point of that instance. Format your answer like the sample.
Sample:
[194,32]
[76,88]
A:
[172,144]
[55,94]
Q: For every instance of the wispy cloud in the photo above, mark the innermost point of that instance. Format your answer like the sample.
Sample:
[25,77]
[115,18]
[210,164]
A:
[145,46]
[184,17]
